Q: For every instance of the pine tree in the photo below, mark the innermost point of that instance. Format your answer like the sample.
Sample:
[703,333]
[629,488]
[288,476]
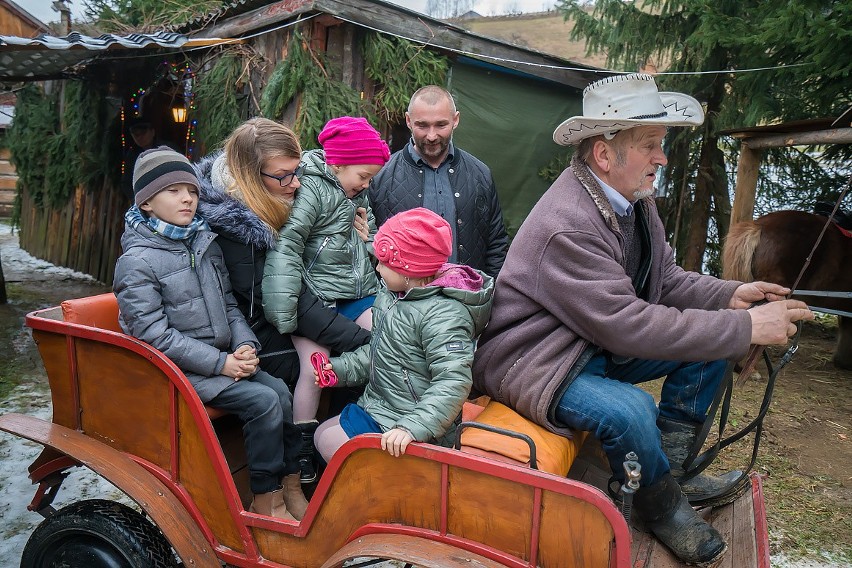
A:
[123,16]
[728,35]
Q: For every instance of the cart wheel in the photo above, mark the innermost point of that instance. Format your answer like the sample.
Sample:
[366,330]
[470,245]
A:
[97,534]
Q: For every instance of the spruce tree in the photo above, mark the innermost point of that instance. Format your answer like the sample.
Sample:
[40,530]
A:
[726,36]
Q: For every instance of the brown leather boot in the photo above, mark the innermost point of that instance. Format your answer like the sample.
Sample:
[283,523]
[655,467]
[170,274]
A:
[271,504]
[294,497]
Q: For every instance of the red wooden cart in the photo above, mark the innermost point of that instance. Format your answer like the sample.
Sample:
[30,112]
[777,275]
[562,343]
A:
[124,410]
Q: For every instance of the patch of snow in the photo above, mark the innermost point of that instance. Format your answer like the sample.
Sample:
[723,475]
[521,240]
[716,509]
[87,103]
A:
[21,266]
[16,490]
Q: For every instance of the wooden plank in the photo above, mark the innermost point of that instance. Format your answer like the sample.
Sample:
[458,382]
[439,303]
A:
[746,186]
[7,169]
[743,548]
[256,19]
[722,519]
[74,236]
[830,136]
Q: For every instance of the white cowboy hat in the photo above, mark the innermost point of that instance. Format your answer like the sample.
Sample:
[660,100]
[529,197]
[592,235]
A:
[626,101]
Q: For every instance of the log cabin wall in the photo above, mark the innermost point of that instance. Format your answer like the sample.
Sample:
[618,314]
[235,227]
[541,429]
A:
[84,235]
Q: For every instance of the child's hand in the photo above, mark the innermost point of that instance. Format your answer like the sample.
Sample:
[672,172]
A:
[245,352]
[240,364]
[395,441]
[361,225]
[323,375]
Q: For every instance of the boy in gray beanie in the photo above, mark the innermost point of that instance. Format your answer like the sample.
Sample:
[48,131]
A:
[174,293]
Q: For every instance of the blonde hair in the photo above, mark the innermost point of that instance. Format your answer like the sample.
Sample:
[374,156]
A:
[247,148]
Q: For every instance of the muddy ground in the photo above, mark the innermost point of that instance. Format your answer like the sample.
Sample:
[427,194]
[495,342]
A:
[805,454]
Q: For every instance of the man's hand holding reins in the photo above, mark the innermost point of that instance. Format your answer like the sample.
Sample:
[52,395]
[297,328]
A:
[752,292]
[774,323]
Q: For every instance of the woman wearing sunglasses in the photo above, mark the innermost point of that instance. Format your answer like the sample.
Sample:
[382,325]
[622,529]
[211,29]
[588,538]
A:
[247,195]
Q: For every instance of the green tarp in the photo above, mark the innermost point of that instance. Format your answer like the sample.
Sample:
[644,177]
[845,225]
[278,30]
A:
[507,121]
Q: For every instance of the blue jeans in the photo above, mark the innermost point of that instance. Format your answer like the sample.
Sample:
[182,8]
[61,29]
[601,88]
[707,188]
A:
[604,401]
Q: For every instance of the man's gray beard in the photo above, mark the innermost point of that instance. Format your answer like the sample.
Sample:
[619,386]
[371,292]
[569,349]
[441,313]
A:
[643,193]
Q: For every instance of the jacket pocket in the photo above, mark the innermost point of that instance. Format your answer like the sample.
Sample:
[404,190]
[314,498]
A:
[410,385]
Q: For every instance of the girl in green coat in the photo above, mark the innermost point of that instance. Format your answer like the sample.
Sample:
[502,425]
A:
[325,244]
[417,367]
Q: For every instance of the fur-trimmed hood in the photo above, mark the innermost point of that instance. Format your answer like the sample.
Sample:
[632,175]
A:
[226,215]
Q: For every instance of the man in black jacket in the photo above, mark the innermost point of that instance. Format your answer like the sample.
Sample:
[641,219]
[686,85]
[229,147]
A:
[431,172]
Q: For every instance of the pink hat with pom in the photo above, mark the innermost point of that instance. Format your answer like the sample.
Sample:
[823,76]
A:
[349,140]
[415,243]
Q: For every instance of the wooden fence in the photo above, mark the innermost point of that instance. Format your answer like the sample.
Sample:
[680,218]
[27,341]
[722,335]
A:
[84,235]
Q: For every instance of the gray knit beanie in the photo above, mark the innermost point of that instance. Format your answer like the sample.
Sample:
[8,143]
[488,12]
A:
[158,168]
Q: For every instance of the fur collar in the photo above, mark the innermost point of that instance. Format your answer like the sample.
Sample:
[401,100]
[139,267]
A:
[228,216]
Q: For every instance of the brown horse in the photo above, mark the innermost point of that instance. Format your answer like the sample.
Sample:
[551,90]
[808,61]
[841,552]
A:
[774,247]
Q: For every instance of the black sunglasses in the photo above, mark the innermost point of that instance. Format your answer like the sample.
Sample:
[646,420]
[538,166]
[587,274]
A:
[287,179]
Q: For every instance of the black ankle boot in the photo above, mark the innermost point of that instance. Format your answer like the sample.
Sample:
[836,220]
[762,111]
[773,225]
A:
[308,471]
[666,513]
[677,440]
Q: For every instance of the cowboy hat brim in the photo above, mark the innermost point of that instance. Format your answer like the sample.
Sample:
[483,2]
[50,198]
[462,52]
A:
[681,110]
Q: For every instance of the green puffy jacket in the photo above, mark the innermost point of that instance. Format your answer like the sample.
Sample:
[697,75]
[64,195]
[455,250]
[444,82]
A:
[418,364]
[320,244]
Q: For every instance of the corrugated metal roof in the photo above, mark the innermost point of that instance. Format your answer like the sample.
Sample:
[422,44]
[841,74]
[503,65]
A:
[49,57]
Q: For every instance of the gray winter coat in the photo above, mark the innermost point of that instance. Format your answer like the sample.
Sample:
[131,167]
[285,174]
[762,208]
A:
[417,366]
[178,299]
[319,244]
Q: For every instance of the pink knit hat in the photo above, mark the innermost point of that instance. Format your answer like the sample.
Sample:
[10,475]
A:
[415,243]
[348,140]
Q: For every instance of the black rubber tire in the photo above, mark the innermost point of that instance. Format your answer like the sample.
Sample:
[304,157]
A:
[97,534]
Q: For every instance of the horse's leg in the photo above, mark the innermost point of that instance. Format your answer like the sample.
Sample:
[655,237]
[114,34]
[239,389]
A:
[843,354]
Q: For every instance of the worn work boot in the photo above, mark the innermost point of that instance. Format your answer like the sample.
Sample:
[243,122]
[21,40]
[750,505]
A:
[294,497]
[271,504]
[306,454]
[666,513]
[677,440]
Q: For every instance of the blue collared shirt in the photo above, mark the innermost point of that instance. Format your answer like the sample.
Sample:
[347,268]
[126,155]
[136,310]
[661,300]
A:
[437,191]
[619,203]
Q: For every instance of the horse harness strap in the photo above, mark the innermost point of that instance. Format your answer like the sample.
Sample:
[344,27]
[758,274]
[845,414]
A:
[697,461]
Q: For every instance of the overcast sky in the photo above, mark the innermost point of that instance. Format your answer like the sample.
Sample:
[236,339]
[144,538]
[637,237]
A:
[42,9]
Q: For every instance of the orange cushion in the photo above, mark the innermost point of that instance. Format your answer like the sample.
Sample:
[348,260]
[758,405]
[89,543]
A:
[554,453]
[94,311]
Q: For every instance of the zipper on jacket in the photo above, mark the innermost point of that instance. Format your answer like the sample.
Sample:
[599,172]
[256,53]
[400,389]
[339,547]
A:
[374,341]
[359,284]
[410,385]
[319,250]
[251,302]
[191,255]
[356,257]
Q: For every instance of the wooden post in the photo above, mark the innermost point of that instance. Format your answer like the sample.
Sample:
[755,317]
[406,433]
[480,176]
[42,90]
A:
[746,187]
[3,298]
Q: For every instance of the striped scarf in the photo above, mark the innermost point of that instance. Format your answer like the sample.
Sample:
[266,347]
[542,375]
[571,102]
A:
[134,217]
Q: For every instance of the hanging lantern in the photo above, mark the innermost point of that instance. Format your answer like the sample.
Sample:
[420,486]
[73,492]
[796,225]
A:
[179,113]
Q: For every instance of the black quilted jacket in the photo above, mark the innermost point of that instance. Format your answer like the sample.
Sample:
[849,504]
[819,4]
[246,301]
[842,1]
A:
[482,239]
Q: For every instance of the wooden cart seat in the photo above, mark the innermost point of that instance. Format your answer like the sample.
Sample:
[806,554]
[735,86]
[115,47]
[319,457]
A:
[101,311]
